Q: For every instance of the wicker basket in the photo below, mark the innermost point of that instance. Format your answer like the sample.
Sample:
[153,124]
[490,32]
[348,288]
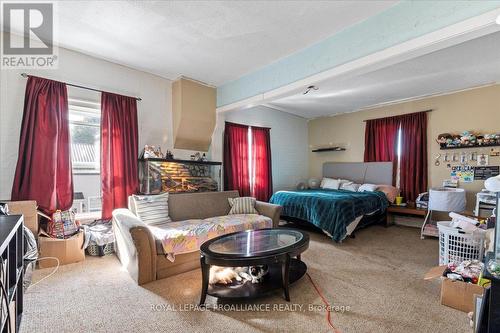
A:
[99,251]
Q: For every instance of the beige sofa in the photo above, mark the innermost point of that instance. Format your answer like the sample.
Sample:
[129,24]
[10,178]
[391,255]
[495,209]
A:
[138,249]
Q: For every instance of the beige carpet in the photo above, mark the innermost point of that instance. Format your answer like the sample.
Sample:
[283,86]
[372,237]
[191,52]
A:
[378,275]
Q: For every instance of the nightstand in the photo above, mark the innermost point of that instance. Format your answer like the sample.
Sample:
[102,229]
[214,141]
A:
[409,210]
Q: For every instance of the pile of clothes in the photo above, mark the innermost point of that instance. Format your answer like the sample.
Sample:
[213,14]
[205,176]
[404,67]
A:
[468,271]
[467,224]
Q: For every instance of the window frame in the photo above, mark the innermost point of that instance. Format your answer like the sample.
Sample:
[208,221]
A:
[92,109]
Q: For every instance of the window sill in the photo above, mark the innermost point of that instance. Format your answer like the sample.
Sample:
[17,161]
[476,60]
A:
[82,172]
[87,218]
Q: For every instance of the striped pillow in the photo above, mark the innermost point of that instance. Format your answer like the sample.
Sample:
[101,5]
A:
[244,205]
[152,209]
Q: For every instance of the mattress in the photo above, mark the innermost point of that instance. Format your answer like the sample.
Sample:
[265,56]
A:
[331,210]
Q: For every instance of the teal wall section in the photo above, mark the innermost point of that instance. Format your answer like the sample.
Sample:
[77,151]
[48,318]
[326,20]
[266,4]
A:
[402,22]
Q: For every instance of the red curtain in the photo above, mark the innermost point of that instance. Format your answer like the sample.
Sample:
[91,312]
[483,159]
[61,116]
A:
[413,163]
[261,164]
[236,159]
[119,151]
[43,171]
[381,141]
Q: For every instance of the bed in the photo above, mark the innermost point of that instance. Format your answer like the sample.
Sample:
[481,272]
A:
[339,212]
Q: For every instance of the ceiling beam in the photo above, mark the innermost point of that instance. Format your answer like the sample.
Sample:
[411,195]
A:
[463,31]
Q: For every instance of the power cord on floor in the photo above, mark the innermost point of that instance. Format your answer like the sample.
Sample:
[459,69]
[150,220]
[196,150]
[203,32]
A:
[328,307]
[51,273]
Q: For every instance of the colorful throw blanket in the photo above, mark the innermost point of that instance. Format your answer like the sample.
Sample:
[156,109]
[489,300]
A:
[187,236]
[330,210]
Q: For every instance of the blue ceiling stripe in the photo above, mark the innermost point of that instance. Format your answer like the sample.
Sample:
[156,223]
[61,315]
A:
[402,22]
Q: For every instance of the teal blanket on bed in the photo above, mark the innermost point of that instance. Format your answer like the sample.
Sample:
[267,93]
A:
[330,210]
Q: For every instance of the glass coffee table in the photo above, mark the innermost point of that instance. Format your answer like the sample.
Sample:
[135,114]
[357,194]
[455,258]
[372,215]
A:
[279,248]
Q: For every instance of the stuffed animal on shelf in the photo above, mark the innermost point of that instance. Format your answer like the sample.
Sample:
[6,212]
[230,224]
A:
[149,152]
[444,139]
[489,139]
[467,139]
[158,153]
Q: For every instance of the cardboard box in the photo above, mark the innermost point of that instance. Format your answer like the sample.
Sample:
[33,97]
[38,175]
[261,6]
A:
[459,295]
[29,210]
[455,294]
[68,250]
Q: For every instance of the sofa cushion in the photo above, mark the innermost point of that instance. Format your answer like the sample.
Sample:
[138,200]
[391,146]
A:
[185,206]
[244,205]
[152,209]
[187,236]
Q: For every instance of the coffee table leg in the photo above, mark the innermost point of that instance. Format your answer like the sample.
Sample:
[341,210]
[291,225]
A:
[205,271]
[285,276]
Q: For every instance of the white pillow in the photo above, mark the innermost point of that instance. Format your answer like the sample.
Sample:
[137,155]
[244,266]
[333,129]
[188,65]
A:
[330,183]
[367,188]
[152,209]
[243,205]
[323,182]
[344,182]
[350,187]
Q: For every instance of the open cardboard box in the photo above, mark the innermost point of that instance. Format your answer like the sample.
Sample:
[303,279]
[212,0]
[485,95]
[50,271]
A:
[28,209]
[67,250]
[455,294]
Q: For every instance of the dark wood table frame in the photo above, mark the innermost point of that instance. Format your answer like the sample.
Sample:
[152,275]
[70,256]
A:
[409,210]
[285,257]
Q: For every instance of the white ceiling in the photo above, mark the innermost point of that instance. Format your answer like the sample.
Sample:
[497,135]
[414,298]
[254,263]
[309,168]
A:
[211,41]
[470,64]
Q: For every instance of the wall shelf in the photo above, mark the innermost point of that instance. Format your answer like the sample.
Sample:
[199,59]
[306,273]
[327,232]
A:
[470,147]
[319,150]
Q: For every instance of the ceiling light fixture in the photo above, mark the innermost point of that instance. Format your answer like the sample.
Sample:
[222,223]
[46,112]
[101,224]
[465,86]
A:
[309,89]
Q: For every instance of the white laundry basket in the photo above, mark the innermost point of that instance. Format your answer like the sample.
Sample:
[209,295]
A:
[456,245]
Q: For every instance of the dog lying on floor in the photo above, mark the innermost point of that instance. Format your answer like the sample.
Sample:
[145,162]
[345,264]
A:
[226,275]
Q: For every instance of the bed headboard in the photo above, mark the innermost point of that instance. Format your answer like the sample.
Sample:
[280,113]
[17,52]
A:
[360,172]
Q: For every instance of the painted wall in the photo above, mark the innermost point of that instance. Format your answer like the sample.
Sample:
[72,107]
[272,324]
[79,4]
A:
[401,22]
[476,110]
[288,142]
[154,111]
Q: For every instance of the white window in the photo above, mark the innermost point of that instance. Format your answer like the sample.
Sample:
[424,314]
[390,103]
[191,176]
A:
[84,124]
[85,133]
